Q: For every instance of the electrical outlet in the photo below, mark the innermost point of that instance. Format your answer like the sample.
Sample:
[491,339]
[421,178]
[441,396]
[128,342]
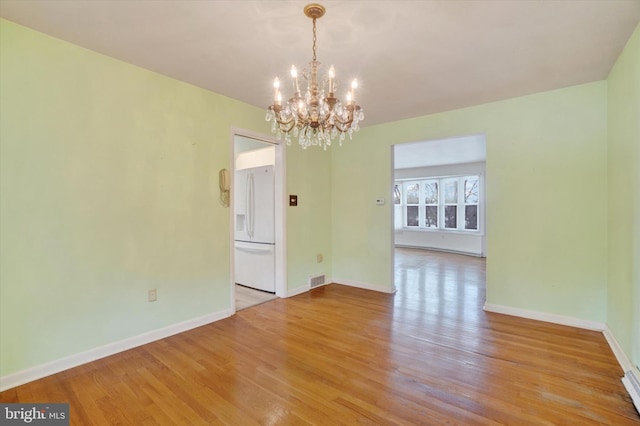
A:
[153,295]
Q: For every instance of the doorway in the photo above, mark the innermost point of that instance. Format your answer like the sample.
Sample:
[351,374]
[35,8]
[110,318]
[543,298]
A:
[438,202]
[256,220]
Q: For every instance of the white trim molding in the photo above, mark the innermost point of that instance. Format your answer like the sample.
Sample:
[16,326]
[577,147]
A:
[366,286]
[546,317]
[349,283]
[38,372]
[297,291]
[631,381]
[623,359]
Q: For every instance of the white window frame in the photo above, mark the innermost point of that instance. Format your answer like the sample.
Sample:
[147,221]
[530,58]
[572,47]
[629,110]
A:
[460,203]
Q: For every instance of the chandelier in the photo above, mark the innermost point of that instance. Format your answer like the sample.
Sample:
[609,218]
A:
[317,116]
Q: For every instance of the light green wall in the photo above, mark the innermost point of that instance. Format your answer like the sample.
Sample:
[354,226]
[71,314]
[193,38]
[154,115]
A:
[308,224]
[108,188]
[361,233]
[546,198]
[623,299]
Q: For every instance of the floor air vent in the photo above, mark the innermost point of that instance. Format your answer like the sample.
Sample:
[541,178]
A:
[316,281]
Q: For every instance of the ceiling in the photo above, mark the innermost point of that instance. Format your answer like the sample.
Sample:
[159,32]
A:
[440,152]
[411,57]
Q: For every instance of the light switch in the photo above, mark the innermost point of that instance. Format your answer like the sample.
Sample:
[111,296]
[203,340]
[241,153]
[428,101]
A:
[293,200]
[379,201]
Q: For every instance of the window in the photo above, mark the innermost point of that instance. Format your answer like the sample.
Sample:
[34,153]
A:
[396,194]
[412,201]
[397,206]
[431,204]
[450,203]
[471,200]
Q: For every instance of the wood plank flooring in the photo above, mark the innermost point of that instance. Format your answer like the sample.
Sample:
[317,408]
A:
[338,355]
[247,297]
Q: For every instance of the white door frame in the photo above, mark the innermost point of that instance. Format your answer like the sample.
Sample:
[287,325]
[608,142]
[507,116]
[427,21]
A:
[280,212]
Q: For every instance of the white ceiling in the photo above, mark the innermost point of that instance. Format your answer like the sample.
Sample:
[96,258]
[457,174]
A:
[411,57]
[440,152]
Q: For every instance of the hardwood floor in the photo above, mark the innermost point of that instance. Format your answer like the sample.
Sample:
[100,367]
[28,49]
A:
[247,297]
[339,355]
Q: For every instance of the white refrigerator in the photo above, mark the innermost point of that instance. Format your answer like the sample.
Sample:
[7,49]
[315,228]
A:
[254,207]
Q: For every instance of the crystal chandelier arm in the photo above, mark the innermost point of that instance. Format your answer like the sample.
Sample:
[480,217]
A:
[288,129]
[302,117]
[286,125]
[343,125]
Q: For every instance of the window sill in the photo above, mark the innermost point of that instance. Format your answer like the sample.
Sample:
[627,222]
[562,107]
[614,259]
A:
[442,231]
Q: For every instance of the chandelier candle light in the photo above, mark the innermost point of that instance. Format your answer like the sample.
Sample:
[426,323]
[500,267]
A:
[313,118]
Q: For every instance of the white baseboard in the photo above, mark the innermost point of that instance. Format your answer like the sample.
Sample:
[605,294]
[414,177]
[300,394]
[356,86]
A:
[297,291]
[619,353]
[366,286]
[349,283]
[631,381]
[544,316]
[443,250]
[34,373]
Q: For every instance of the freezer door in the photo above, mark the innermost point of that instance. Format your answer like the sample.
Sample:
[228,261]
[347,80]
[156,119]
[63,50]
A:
[255,265]
[262,217]
[240,205]
[254,205]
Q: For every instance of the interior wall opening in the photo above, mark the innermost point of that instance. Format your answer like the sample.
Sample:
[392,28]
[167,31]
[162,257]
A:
[257,220]
[439,217]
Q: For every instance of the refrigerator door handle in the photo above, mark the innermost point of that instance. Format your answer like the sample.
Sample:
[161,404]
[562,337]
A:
[247,195]
[252,208]
[255,249]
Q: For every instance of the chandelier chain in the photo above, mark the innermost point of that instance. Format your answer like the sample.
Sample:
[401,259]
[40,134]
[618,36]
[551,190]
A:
[314,39]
